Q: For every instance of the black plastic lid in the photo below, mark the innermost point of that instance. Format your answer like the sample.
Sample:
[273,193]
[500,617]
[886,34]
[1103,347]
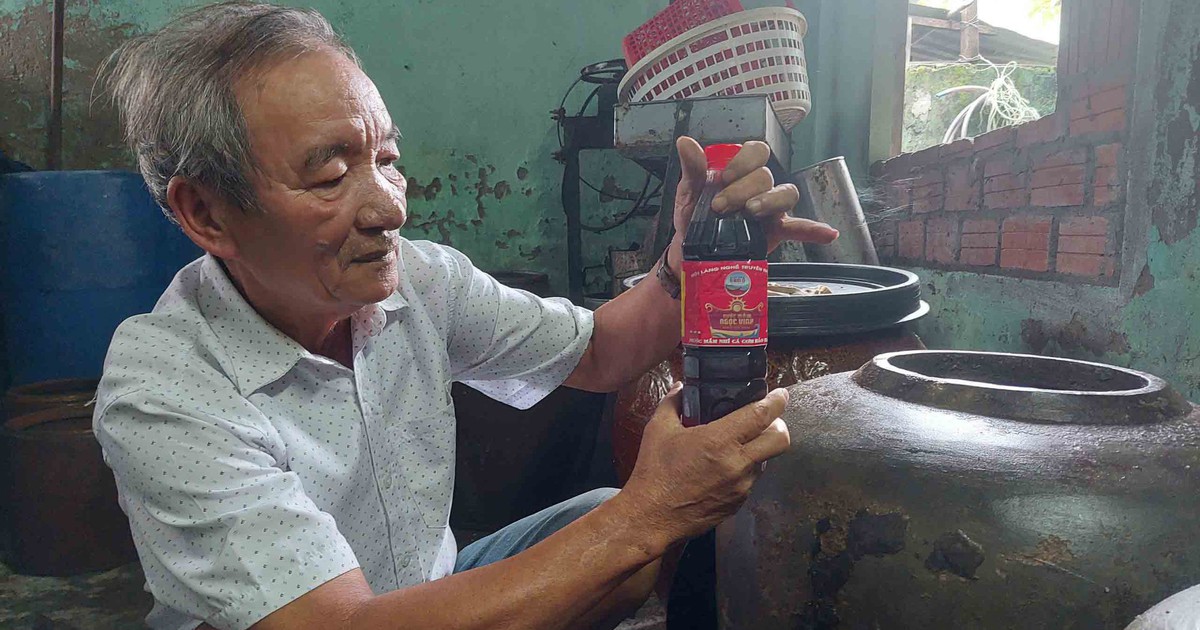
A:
[864,298]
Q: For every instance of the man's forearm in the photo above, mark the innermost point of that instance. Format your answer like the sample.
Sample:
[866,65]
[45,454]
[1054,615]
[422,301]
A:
[631,334]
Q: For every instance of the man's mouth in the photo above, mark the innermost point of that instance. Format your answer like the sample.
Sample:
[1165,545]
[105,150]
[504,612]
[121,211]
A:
[374,256]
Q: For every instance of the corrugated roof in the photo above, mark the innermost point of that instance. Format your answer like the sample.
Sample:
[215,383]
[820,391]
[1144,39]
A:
[998,45]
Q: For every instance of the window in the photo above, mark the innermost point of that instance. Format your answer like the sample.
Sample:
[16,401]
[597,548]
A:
[978,66]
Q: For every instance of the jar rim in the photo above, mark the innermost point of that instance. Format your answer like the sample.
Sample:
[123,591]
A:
[1023,387]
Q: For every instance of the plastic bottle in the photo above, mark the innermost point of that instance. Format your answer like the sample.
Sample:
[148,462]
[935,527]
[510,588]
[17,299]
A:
[724,304]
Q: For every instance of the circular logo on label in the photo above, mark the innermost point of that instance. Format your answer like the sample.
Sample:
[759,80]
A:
[737,284]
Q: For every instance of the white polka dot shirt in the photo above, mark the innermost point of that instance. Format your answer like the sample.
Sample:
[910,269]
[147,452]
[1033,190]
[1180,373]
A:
[253,471]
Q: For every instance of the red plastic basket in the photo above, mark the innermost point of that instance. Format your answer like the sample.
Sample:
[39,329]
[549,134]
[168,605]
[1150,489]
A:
[679,16]
[760,51]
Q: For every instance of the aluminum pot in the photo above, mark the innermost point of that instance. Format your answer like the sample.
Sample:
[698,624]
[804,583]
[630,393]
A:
[944,489]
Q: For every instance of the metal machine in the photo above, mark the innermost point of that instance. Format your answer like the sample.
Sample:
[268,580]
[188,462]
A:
[646,134]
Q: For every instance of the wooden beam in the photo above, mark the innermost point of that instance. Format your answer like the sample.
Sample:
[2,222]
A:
[54,127]
[969,36]
[897,146]
[949,25]
[892,41]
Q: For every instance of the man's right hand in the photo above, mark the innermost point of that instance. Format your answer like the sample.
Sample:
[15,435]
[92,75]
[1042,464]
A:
[687,480]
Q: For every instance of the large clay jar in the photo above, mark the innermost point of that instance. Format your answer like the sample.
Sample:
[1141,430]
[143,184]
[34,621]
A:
[31,397]
[969,490]
[26,399]
[65,516]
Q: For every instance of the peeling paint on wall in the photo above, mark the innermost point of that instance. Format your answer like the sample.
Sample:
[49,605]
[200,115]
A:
[91,136]
[1174,192]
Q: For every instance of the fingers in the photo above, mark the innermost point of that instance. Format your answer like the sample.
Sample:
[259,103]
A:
[750,421]
[747,187]
[692,163]
[751,157]
[669,412]
[692,168]
[787,228]
[778,200]
[772,442]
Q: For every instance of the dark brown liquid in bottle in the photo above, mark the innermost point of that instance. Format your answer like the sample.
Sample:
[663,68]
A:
[717,381]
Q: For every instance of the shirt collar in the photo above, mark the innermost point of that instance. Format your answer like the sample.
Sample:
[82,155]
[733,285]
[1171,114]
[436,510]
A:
[393,302]
[396,301]
[260,354]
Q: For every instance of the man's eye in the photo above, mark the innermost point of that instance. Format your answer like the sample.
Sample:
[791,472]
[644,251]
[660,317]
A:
[332,183]
[388,162]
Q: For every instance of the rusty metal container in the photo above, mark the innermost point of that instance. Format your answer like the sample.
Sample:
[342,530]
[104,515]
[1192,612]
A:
[945,489]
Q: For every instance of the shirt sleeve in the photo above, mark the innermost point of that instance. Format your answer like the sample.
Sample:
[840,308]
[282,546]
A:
[510,344]
[224,533]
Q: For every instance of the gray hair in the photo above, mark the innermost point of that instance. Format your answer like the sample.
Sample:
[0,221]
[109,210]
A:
[174,89]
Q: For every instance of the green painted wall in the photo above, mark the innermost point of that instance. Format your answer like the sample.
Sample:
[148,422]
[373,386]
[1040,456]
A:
[470,83]
[1150,322]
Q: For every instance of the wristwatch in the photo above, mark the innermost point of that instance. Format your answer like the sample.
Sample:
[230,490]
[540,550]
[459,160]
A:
[667,278]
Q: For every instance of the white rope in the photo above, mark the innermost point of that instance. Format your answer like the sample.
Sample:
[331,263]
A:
[1007,106]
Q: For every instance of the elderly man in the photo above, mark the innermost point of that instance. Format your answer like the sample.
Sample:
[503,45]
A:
[280,426]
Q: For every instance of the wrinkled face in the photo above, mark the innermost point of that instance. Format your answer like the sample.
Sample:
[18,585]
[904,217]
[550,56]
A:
[326,150]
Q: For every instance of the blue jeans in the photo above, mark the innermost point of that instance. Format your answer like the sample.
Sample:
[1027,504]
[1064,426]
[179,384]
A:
[528,531]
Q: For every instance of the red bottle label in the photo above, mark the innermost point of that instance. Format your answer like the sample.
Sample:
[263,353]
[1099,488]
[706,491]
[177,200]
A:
[724,303]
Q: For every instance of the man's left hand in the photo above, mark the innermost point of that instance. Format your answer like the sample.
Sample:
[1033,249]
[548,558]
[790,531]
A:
[750,186]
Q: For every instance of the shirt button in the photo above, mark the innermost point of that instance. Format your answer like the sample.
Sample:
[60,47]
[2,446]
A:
[405,561]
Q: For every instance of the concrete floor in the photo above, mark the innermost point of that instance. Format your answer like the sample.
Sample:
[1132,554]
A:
[110,600]
[114,600]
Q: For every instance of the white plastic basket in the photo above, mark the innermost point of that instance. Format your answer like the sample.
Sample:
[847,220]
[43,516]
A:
[760,51]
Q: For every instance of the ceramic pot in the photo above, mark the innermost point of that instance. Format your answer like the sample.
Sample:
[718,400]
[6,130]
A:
[945,489]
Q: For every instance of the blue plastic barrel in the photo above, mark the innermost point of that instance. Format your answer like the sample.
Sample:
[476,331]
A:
[80,251]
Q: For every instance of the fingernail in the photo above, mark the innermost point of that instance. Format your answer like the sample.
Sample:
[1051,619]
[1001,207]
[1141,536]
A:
[719,203]
[754,205]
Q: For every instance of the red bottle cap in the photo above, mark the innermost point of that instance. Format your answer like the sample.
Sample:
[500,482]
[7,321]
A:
[719,155]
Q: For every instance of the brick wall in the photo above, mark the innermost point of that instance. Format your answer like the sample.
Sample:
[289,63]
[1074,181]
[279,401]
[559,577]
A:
[1045,199]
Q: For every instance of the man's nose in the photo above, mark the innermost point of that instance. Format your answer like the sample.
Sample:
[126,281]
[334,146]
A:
[385,206]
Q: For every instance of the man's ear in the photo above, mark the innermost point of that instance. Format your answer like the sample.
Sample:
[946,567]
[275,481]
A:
[204,216]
